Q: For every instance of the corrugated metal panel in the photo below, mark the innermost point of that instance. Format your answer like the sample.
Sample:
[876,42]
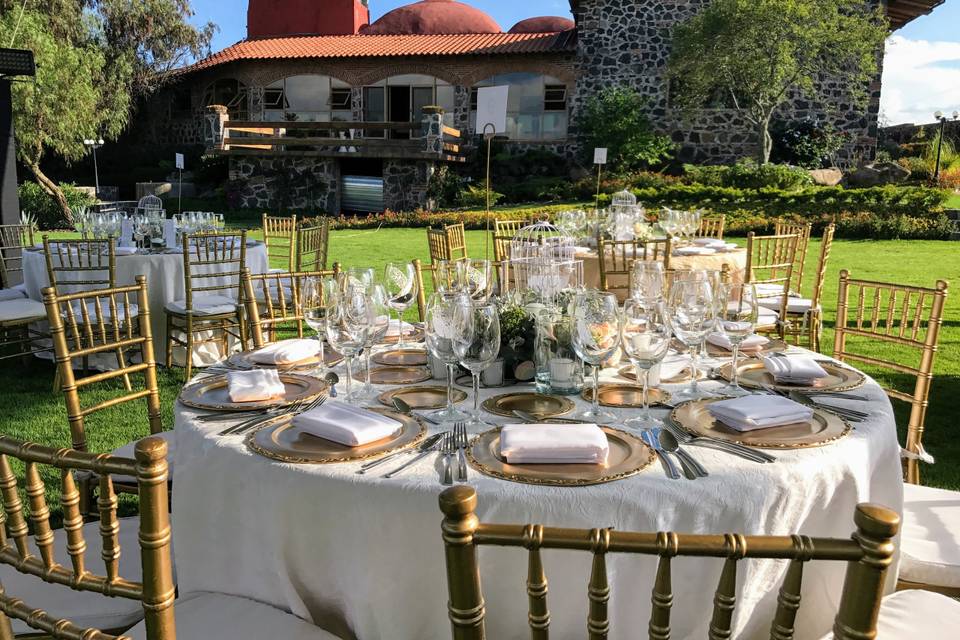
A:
[361,193]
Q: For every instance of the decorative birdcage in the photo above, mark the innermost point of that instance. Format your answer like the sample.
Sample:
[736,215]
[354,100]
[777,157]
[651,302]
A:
[623,216]
[543,261]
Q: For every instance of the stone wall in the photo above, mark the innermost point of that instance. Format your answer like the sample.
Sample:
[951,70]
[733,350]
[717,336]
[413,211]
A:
[405,183]
[628,44]
[283,183]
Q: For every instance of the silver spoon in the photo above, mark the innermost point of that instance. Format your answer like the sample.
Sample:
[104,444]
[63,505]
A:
[332,379]
[687,461]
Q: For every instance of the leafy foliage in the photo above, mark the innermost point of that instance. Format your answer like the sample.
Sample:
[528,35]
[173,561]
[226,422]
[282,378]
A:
[747,174]
[808,143]
[758,52]
[616,118]
[44,210]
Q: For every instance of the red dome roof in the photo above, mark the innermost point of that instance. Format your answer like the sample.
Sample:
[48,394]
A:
[433,17]
[543,24]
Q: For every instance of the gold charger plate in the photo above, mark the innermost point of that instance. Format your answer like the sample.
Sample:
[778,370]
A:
[755,376]
[774,346]
[330,358]
[626,396]
[395,375]
[822,429]
[212,393]
[416,335]
[538,404]
[421,397]
[281,440]
[402,357]
[630,373]
[628,456]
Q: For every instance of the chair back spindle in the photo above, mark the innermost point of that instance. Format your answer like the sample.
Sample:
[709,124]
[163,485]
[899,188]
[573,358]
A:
[280,236]
[313,245]
[616,258]
[14,238]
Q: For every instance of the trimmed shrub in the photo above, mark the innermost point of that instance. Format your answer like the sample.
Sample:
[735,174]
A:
[747,174]
[38,203]
[809,143]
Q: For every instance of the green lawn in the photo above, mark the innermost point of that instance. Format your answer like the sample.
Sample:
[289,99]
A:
[33,411]
[953,202]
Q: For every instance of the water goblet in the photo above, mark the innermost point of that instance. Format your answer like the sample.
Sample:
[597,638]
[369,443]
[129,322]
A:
[737,312]
[476,342]
[348,321]
[474,278]
[595,332]
[646,279]
[440,332]
[692,316]
[315,295]
[645,336]
[401,284]
[379,323]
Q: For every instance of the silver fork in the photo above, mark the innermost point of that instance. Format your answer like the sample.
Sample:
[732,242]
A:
[437,446]
[449,450]
[291,411]
[460,433]
[743,451]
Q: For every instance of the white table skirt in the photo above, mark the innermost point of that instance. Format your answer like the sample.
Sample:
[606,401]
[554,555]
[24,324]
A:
[165,282]
[362,556]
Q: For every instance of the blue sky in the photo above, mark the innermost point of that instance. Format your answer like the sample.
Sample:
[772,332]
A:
[921,71]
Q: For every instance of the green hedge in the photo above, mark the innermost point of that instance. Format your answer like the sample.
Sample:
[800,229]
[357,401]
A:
[37,202]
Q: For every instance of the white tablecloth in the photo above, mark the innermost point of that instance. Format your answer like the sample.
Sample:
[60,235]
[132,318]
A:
[164,274]
[362,556]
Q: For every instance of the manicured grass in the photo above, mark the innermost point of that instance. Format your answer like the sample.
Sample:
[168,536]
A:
[33,411]
[953,202]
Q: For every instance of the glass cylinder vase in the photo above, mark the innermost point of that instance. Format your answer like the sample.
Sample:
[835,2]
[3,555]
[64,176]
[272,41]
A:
[559,370]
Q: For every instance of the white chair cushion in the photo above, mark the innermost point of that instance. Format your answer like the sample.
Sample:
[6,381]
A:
[23,309]
[217,616]
[916,615]
[767,317]
[768,290]
[277,271]
[83,608]
[930,540]
[127,451]
[205,305]
[794,305]
[13,293]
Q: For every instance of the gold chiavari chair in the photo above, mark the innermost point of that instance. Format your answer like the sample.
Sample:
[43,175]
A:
[456,239]
[508,227]
[712,227]
[784,228]
[17,311]
[14,238]
[280,236]
[805,315]
[212,264]
[439,244]
[868,554]
[770,269]
[313,245]
[273,302]
[501,246]
[616,258]
[895,329]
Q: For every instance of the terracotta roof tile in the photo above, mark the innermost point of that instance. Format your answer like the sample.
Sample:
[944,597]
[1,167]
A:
[378,46]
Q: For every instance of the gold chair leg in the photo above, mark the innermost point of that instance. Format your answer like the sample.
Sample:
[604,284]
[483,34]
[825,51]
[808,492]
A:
[57,380]
[169,359]
[6,629]
[122,361]
[189,357]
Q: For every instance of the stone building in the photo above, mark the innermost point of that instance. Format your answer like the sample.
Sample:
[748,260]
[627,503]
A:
[306,62]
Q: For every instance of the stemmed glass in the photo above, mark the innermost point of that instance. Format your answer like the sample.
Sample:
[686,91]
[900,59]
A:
[315,295]
[646,337]
[692,316]
[401,285]
[737,311]
[441,314]
[475,278]
[595,337]
[379,323]
[476,341]
[348,325]
[358,276]
[646,279]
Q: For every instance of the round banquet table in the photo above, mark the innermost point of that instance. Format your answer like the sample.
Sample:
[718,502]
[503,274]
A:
[164,272]
[736,262]
[362,556]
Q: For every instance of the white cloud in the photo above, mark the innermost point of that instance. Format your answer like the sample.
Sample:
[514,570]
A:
[919,78]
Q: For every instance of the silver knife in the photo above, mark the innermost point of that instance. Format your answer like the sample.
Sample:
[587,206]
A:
[424,447]
[667,463]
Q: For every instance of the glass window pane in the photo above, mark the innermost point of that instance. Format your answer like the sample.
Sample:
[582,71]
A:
[374,107]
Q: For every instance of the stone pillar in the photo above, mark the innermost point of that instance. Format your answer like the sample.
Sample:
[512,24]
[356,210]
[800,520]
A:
[433,130]
[255,103]
[356,103]
[214,119]
[405,183]
[461,109]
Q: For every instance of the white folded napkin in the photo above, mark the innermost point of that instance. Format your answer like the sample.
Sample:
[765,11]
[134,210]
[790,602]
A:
[759,412]
[286,351]
[794,370]
[554,444]
[710,242]
[345,424]
[394,329]
[254,385]
[673,365]
[124,251]
[694,251]
[751,343]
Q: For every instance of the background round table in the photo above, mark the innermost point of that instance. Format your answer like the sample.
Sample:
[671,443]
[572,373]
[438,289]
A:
[164,272]
[363,557]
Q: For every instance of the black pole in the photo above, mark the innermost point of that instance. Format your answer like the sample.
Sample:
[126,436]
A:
[9,200]
[936,169]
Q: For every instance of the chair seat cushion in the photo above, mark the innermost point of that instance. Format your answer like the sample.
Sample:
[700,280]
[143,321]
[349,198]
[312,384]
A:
[13,293]
[916,615]
[767,317]
[83,608]
[794,305]
[212,305]
[930,541]
[217,616]
[127,451]
[22,309]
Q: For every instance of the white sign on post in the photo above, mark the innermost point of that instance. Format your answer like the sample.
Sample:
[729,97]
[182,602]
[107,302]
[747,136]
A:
[600,155]
[180,163]
[492,108]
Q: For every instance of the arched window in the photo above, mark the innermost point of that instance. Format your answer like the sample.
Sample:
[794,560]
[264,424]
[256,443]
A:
[401,98]
[307,98]
[229,92]
[536,106]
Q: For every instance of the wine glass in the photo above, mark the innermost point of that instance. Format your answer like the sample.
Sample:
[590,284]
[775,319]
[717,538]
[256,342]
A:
[445,276]
[401,285]
[439,325]
[595,337]
[315,295]
[348,326]
[357,277]
[476,342]
[646,279]
[475,278]
[646,337]
[692,316]
[737,311]
[379,323]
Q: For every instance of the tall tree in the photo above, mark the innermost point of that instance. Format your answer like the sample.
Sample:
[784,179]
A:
[95,59]
[756,53]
